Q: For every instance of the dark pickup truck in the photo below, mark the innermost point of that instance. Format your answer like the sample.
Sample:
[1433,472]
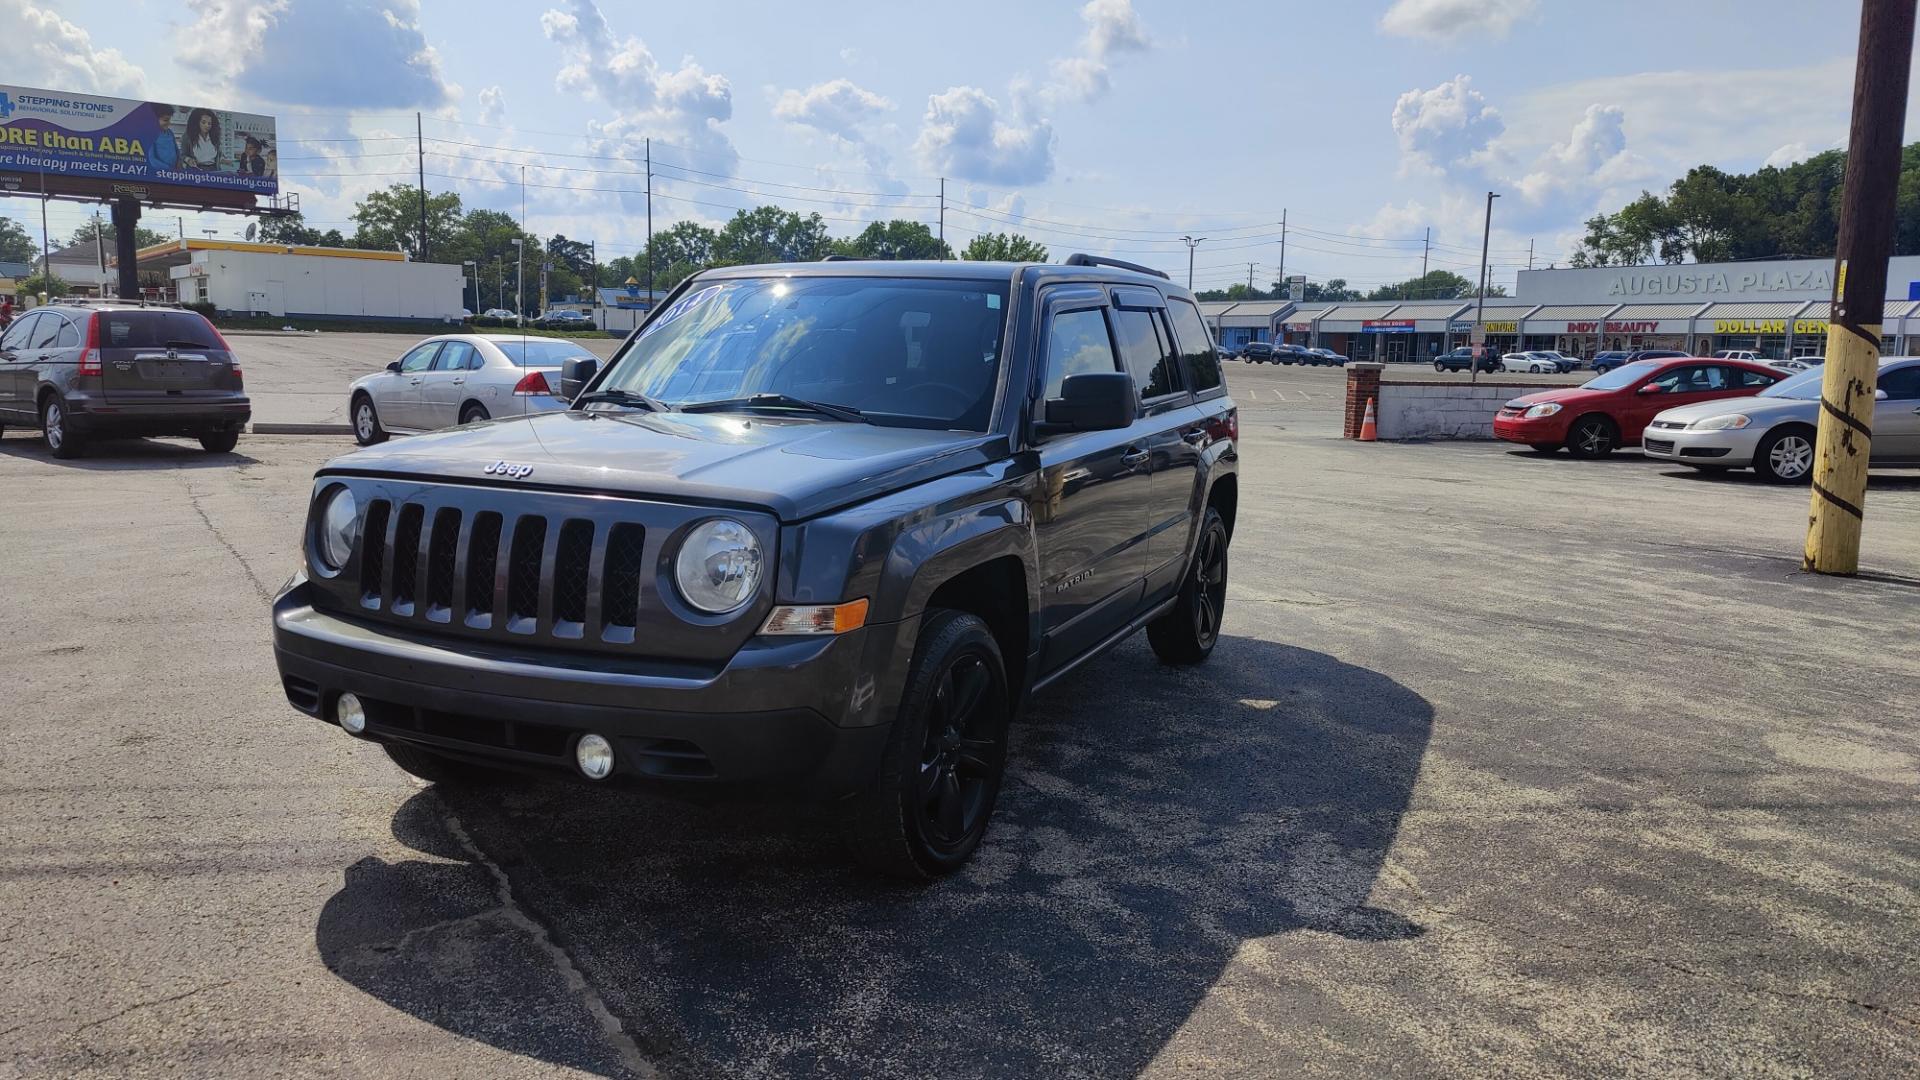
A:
[818,529]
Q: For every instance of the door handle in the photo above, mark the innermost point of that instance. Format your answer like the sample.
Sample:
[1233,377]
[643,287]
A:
[1135,456]
[459,380]
[417,382]
[1194,438]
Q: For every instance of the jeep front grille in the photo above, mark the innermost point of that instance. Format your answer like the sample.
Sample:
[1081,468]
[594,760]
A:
[446,566]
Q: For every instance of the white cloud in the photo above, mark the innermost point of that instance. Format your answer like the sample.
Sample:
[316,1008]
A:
[1450,21]
[309,52]
[493,105]
[687,104]
[1113,29]
[1445,129]
[965,136]
[39,48]
[838,107]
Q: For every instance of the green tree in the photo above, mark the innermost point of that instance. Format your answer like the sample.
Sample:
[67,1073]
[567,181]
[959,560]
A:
[142,237]
[1333,292]
[486,238]
[33,286]
[15,244]
[1435,285]
[1003,247]
[390,220]
[676,252]
[293,230]
[768,234]
[898,239]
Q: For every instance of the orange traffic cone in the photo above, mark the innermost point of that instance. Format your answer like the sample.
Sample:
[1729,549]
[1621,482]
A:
[1368,432]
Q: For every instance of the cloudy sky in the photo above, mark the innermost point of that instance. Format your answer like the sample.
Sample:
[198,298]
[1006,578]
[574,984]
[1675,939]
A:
[1110,125]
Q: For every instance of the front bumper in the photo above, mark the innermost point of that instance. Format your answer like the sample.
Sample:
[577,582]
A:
[1730,448]
[96,415]
[1538,431]
[802,715]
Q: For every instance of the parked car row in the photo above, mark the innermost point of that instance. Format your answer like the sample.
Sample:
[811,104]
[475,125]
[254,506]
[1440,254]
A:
[1265,352]
[1712,414]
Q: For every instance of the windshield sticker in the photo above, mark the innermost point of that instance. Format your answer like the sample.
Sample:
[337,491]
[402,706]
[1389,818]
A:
[681,307]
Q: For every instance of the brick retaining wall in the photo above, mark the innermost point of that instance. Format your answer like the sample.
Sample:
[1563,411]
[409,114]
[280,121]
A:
[1432,409]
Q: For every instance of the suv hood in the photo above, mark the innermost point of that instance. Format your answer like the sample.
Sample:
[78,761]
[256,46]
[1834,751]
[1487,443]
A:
[796,468]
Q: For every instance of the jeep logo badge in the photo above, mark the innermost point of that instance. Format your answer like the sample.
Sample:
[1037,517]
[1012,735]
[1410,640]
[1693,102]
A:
[509,470]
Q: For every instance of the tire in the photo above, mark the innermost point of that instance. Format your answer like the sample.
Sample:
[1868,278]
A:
[57,430]
[366,422]
[1439,367]
[1186,634]
[473,412]
[1785,456]
[925,814]
[1592,437]
[437,769]
[220,442]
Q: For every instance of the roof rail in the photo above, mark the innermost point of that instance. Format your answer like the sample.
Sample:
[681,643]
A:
[841,258]
[1083,259]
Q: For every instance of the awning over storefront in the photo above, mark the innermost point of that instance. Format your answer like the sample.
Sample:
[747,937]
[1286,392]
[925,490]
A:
[1900,318]
[1757,319]
[1653,319]
[1243,314]
[1433,318]
[1352,318]
[1558,319]
[1300,320]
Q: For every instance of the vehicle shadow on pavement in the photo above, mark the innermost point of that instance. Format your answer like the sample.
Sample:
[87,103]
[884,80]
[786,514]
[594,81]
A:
[1876,481]
[1154,820]
[120,455]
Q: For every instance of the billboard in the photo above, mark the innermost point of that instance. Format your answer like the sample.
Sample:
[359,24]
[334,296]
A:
[113,141]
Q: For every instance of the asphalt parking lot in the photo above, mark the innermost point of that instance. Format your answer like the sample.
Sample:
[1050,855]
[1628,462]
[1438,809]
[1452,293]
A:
[1506,765]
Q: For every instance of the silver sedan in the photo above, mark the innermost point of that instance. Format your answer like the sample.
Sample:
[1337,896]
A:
[459,379]
[1773,432]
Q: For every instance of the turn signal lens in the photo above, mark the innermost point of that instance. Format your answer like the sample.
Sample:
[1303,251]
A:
[817,619]
[90,360]
[533,384]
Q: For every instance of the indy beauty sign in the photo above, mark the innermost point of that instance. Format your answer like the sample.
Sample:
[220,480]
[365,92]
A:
[60,135]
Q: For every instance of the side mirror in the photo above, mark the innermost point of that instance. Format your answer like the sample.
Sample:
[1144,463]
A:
[1652,388]
[1879,395]
[1103,401]
[393,366]
[575,374]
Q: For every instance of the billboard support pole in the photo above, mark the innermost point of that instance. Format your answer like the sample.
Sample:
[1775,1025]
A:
[46,246]
[126,219]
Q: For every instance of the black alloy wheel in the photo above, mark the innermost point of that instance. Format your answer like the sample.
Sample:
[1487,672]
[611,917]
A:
[1187,633]
[940,775]
[1591,438]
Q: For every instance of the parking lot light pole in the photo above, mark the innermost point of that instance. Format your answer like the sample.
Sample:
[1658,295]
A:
[520,279]
[1192,242]
[1869,193]
[1480,318]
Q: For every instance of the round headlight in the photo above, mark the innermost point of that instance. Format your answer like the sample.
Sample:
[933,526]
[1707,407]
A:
[718,568]
[333,535]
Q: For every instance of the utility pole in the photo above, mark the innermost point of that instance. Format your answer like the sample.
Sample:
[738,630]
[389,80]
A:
[100,249]
[943,217]
[1529,254]
[649,224]
[1283,243]
[1192,242]
[46,244]
[1480,319]
[181,223]
[1867,201]
[1426,246]
[1250,267]
[420,149]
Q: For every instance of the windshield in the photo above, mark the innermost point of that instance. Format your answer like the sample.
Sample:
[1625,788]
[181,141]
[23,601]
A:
[155,329]
[913,352]
[1802,387]
[538,352]
[1621,377]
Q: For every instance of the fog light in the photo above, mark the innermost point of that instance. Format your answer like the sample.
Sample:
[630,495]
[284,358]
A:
[351,714]
[595,757]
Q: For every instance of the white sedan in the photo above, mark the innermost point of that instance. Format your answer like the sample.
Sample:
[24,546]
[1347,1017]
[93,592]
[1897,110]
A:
[459,379]
[1532,363]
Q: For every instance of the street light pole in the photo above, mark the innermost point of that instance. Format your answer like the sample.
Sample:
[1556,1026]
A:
[520,280]
[1192,242]
[1480,319]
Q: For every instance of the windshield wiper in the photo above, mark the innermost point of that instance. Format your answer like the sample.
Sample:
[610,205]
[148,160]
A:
[845,413]
[625,397]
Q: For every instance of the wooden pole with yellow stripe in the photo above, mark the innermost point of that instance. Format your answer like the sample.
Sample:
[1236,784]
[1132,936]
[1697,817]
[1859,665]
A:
[1860,287]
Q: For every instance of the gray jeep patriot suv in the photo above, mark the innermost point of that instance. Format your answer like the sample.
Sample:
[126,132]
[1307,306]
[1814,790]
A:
[814,528]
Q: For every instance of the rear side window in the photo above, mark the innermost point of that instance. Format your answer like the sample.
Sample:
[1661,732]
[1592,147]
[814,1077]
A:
[69,337]
[1202,364]
[46,331]
[1743,377]
[1144,348]
[454,356]
[156,330]
[540,352]
[1077,345]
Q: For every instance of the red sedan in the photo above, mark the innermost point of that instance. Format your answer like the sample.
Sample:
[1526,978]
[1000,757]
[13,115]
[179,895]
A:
[1611,410]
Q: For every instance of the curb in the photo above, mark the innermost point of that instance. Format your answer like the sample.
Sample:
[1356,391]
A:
[300,429]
